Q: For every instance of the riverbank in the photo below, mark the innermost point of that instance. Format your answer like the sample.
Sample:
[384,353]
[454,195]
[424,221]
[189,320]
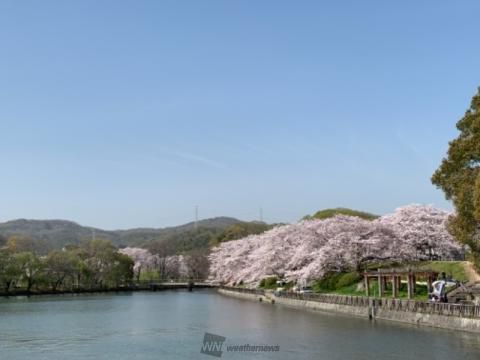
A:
[133,288]
[445,316]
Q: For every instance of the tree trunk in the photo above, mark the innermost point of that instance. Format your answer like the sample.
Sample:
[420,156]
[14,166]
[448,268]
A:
[29,285]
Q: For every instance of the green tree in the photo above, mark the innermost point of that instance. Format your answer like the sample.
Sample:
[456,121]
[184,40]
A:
[31,268]
[60,266]
[121,270]
[105,265]
[10,270]
[459,177]
[99,259]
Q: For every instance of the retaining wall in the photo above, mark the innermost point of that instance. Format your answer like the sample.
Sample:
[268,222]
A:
[446,316]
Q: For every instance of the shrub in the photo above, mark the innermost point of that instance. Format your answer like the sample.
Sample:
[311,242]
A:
[327,283]
[348,279]
[336,281]
[269,282]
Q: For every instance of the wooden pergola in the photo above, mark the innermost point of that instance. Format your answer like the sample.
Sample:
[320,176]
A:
[395,276]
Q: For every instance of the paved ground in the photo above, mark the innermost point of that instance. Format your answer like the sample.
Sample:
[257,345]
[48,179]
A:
[472,274]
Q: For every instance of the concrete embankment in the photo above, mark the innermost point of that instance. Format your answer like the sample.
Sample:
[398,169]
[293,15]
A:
[305,304]
[446,316]
[432,320]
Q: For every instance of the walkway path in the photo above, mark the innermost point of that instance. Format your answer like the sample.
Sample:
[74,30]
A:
[470,271]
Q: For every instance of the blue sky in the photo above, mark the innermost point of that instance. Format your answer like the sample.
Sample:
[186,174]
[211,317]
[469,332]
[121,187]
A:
[121,114]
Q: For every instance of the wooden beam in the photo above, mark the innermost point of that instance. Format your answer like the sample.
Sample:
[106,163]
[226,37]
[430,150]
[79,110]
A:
[394,287]
[380,286]
[367,285]
[409,286]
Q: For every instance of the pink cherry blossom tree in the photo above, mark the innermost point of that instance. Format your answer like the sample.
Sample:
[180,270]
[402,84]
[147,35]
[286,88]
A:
[308,249]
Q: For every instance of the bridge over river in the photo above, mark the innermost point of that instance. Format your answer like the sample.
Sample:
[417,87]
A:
[139,285]
[154,285]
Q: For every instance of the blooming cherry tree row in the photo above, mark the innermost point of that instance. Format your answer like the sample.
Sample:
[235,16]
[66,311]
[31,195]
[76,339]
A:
[308,249]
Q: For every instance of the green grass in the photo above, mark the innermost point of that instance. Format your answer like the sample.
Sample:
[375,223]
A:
[148,275]
[335,282]
[455,269]
[348,283]
[421,293]
[269,283]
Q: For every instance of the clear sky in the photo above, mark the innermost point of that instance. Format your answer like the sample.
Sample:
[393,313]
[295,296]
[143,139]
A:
[122,114]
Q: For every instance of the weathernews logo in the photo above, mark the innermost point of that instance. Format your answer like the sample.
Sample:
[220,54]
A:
[213,346]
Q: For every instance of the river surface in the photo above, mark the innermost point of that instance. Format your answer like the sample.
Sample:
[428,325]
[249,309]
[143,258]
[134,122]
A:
[172,324]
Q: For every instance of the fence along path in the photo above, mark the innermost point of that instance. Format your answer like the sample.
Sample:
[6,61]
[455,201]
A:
[458,310]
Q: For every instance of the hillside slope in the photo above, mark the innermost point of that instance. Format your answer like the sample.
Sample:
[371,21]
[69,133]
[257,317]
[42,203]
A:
[54,234]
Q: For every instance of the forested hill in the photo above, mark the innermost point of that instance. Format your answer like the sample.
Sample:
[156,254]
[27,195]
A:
[54,234]
[329,213]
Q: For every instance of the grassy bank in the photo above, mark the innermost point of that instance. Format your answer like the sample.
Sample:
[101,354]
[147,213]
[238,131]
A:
[351,283]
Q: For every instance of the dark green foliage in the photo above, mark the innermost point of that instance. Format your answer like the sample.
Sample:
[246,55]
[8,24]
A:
[348,279]
[183,242]
[336,281]
[241,230]
[459,177]
[328,213]
[269,283]
[327,283]
[94,265]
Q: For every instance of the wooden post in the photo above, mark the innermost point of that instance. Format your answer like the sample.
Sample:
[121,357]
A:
[367,285]
[399,282]
[429,283]
[380,286]
[414,284]
[409,286]
[394,287]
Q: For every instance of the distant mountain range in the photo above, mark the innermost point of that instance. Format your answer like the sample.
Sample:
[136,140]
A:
[54,234]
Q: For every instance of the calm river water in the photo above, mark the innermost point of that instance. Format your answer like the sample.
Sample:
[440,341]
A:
[171,325]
